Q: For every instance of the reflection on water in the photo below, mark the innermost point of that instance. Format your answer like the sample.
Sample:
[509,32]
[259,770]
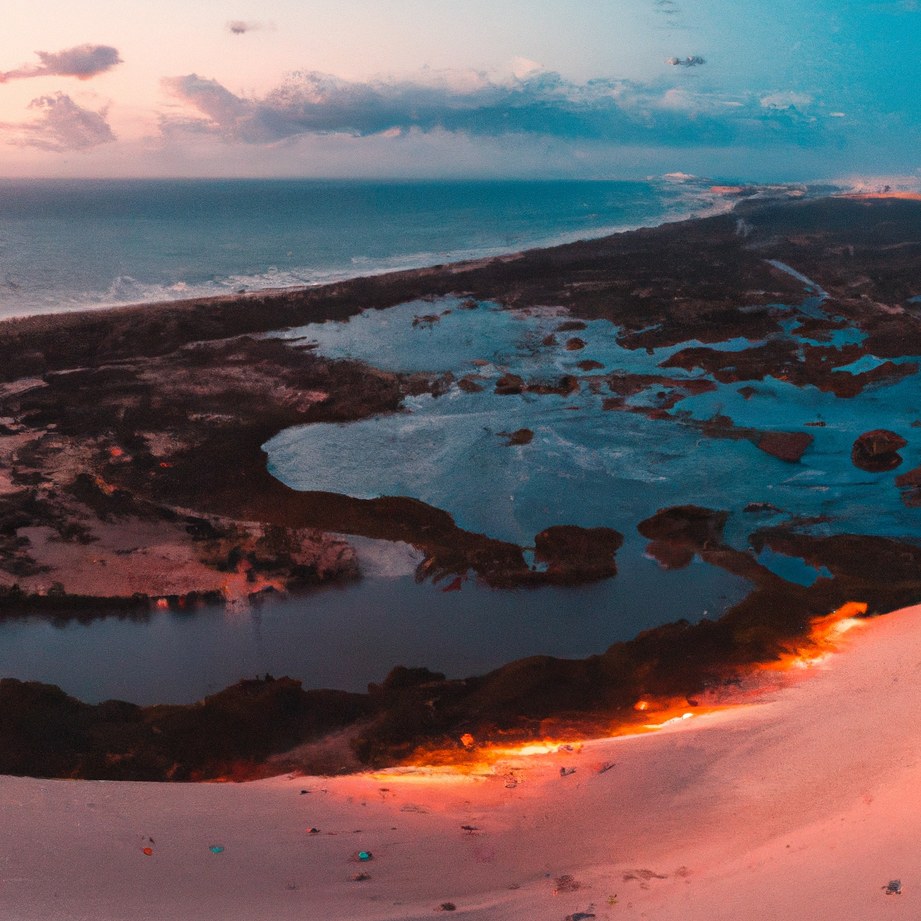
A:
[345,638]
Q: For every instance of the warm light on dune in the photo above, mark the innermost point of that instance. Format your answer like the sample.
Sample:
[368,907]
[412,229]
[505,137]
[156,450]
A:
[474,757]
[670,721]
[821,640]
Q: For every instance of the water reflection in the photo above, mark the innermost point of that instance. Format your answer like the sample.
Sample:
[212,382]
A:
[345,638]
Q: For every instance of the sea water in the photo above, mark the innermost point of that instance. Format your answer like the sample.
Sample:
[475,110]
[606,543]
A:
[78,245]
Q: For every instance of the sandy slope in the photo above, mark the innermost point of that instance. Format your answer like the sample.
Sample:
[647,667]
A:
[802,805]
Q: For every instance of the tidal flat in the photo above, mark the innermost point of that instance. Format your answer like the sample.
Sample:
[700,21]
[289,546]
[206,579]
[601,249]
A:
[734,395]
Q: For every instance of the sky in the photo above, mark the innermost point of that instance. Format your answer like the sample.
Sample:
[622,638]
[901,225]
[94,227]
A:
[785,90]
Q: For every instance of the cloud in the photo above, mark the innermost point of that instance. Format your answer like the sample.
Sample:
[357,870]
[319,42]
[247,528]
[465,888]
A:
[539,103]
[694,61]
[788,100]
[82,62]
[240,27]
[62,126]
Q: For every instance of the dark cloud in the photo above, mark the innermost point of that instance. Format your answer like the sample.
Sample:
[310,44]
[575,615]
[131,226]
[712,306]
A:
[694,61]
[240,27]
[540,103]
[82,62]
[62,126]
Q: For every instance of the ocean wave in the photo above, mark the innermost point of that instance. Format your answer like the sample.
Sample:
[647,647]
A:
[894,185]
[53,288]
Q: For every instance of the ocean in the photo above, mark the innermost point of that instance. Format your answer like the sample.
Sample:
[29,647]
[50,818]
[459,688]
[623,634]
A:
[79,244]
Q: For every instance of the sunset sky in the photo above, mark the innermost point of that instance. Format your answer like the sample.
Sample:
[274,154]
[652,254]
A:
[427,88]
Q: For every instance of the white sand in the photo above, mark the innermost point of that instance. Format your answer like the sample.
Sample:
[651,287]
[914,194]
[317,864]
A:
[803,805]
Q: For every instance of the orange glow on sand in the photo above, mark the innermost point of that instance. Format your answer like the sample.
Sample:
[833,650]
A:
[473,756]
[821,640]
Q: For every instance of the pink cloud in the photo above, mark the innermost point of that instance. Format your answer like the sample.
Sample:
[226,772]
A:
[82,62]
[62,126]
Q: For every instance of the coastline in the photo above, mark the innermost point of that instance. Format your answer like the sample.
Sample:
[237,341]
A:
[268,250]
[183,468]
[798,803]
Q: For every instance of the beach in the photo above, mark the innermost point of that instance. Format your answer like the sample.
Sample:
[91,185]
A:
[798,802]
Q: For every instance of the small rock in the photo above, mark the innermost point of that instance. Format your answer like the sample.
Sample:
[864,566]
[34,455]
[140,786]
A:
[876,451]
[894,887]
[786,446]
[519,437]
[509,384]
[757,508]
[469,385]
[912,478]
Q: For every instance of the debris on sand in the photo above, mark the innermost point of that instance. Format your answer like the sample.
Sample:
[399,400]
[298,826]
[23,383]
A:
[642,875]
[566,883]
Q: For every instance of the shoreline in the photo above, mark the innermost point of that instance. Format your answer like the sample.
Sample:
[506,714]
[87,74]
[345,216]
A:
[721,198]
[751,813]
[194,393]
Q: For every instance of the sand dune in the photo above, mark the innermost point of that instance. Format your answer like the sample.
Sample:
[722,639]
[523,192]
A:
[801,803]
